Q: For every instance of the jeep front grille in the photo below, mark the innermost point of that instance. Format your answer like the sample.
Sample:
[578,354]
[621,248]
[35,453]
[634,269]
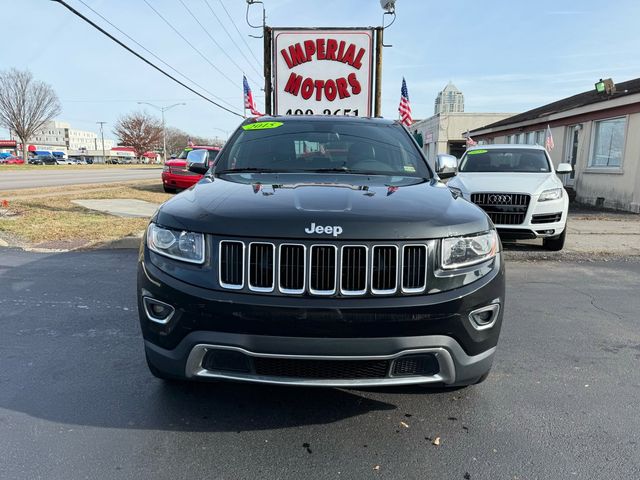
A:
[503,208]
[323,269]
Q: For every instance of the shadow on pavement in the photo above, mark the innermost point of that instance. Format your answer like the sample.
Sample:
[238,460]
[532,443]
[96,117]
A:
[71,352]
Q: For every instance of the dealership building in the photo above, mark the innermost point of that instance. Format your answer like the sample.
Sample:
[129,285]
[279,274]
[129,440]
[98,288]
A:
[598,132]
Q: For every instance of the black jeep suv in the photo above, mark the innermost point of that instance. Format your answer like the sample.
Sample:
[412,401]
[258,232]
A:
[320,251]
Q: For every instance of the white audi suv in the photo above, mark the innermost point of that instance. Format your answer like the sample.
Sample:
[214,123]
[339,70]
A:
[517,186]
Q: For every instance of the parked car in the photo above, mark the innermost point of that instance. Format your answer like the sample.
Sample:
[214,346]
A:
[356,271]
[43,160]
[11,160]
[176,175]
[64,161]
[518,188]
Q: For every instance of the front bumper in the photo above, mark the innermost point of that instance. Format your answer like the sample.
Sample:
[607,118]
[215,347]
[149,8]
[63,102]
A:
[455,366]
[179,181]
[305,329]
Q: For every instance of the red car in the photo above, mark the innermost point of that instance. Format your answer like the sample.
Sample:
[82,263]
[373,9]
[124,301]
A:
[176,175]
[11,160]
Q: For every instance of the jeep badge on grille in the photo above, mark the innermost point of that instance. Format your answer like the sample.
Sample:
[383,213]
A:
[334,230]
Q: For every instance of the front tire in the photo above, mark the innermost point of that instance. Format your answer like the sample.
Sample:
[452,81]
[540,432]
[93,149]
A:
[555,244]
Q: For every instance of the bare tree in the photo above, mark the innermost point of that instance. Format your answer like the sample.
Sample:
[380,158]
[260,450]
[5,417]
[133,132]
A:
[25,104]
[176,140]
[139,130]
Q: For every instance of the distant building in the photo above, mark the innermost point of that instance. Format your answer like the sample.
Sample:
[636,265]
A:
[59,136]
[597,133]
[449,100]
[445,133]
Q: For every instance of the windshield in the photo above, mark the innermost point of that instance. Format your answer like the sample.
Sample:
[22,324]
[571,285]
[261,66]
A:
[321,146]
[505,160]
[184,153]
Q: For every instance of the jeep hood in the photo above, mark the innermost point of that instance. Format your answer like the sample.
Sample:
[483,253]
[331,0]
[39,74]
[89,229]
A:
[530,183]
[284,205]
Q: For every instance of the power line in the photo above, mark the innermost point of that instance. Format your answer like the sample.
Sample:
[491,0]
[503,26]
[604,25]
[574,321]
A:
[232,40]
[220,99]
[212,39]
[148,62]
[189,43]
[237,30]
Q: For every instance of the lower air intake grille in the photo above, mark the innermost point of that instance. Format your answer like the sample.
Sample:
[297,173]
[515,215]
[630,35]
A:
[546,218]
[323,269]
[418,364]
[231,264]
[320,369]
[385,269]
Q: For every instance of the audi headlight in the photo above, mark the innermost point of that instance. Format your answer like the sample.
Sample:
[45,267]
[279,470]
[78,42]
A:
[456,192]
[553,194]
[180,245]
[464,251]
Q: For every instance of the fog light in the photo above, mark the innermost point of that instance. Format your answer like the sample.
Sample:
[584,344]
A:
[485,317]
[158,311]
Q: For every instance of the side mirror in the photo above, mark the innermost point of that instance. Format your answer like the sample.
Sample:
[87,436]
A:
[197,161]
[564,168]
[446,165]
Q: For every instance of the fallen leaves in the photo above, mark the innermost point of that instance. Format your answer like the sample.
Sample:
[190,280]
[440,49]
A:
[436,441]
[377,467]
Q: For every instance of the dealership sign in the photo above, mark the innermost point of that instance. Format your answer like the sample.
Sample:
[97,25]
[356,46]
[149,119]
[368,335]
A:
[8,144]
[323,71]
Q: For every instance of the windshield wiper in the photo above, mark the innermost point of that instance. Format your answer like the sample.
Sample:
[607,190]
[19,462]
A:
[247,169]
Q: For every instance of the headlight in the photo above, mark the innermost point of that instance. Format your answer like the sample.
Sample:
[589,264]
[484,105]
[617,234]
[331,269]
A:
[181,245]
[456,192]
[464,251]
[553,194]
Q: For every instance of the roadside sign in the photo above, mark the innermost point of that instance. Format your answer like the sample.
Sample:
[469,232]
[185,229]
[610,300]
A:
[326,71]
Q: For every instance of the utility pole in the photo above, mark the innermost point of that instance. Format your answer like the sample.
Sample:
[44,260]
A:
[104,157]
[164,130]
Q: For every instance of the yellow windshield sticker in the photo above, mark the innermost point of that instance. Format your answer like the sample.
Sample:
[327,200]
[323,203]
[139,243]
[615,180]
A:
[409,168]
[262,125]
[474,152]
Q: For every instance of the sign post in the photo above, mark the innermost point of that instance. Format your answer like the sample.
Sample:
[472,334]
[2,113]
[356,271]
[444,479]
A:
[321,71]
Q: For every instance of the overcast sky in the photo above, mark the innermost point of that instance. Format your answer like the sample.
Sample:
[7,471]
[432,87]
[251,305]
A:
[505,55]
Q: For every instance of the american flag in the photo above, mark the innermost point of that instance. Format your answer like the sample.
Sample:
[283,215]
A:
[548,140]
[249,104]
[405,106]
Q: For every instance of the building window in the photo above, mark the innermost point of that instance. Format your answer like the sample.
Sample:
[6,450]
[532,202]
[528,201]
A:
[608,143]
[531,138]
[540,137]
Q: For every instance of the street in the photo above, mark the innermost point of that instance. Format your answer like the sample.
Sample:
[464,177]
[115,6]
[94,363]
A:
[77,401]
[13,180]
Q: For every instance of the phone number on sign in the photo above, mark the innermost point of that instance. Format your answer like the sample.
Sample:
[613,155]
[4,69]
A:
[326,111]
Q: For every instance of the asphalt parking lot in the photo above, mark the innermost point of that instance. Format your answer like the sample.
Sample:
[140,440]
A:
[76,400]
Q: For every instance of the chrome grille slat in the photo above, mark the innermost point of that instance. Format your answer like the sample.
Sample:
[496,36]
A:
[354,270]
[261,267]
[231,261]
[322,274]
[414,268]
[292,268]
[384,269]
